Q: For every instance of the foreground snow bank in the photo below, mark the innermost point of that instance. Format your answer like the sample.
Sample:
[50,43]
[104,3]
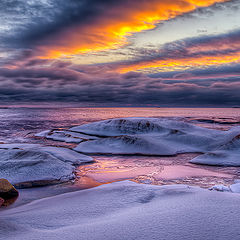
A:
[127,211]
[151,136]
[35,164]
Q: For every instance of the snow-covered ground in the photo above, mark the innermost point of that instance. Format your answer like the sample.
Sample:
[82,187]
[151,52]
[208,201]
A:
[127,211]
[37,164]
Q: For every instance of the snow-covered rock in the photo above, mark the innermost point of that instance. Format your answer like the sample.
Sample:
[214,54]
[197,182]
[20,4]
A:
[151,136]
[234,188]
[220,188]
[65,136]
[154,136]
[43,133]
[226,155]
[37,164]
[132,126]
[126,211]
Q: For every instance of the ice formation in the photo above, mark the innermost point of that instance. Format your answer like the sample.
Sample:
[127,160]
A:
[154,136]
[151,136]
[225,155]
[37,164]
[65,136]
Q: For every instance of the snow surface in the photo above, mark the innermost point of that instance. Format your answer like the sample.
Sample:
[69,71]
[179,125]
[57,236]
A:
[38,164]
[151,136]
[126,211]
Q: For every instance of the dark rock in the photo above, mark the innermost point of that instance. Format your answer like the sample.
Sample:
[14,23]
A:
[7,192]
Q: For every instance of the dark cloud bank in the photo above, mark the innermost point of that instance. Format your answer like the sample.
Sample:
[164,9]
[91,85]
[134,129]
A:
[37,81]
[64,84]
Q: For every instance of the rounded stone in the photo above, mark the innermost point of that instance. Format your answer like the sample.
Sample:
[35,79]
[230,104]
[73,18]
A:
[7,192]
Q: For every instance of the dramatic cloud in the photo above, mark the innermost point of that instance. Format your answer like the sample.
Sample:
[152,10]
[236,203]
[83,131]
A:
[195,52]
[44,44]
[87,85]
[74,27]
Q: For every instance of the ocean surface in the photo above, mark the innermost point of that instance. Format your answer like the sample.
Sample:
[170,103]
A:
[21,123]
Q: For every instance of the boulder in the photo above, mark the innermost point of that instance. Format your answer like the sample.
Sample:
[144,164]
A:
[7,192]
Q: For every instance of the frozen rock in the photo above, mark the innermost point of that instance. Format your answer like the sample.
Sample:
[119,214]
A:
[130,126]
[65,136]
[22,164]
[151,136]
[234,188]
[43,133]
[127,145]
[126,211]
[220,188]
[226,155]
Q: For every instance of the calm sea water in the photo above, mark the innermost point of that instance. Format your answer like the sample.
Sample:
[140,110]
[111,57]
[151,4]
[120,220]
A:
[19,124]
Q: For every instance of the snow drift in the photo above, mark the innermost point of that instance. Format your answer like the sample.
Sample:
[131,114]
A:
[126,211]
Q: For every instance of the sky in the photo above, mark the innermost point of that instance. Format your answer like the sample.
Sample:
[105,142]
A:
[120,53]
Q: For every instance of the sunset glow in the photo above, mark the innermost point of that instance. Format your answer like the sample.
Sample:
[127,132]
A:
[118,52]
[103,34]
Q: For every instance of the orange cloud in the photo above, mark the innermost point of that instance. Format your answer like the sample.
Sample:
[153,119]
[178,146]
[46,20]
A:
[111,30]
[192,53]
[183,63]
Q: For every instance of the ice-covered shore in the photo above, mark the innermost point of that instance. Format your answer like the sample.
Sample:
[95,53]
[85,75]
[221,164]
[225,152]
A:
[158,136]
[127,211]
[35,164]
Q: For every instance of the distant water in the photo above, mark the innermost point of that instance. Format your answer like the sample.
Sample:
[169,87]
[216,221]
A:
[20,124]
